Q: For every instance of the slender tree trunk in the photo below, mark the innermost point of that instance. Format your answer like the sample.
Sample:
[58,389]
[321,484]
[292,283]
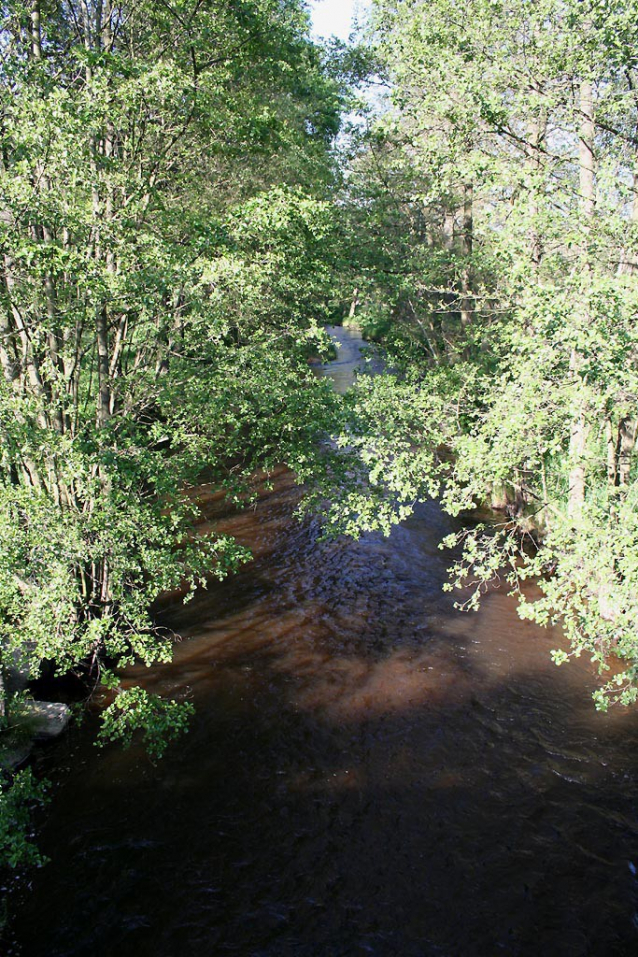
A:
[627,431]
[612,456]
[580,428]
[354,302]
[621,445]
[467,240]
[586,155]
[36,32]
[448,228]
[536,134]
[104,382]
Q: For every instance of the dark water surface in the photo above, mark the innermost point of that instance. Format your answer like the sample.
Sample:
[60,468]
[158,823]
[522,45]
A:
[368,772]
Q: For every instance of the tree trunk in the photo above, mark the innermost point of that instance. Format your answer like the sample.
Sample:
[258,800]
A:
[353,305]
[579,433]
[586,155]
[36,33]
[580,428]
[626,443]
[467,238]
[536,134]
[104,384]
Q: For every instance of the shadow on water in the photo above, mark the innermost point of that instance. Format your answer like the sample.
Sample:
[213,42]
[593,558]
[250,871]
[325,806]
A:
[368,772]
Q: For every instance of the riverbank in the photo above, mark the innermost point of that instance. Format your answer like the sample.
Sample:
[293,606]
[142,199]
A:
[26,721]
[368,771]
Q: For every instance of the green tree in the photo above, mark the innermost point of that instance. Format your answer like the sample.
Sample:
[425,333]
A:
[508,153]
[166,250]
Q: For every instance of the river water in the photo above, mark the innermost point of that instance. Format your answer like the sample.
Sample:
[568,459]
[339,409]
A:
[369,772]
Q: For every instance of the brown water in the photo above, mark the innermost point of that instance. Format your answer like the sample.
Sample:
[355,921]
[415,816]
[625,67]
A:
[368,772]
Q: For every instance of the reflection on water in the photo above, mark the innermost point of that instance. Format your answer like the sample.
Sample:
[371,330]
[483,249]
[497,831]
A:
[368,772]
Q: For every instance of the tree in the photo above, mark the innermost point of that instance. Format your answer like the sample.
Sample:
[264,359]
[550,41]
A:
[511,139]
[165,229]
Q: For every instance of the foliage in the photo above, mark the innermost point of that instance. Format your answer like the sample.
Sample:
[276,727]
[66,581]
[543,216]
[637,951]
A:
[495,198]
[135,710]
[167,256]
[17,799]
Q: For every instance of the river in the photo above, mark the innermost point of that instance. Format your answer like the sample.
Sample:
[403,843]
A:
[368,772]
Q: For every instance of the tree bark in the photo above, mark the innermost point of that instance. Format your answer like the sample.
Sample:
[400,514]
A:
[537,132]
[580,428]
[104,384]
[36,32]
[467,241]
[354,302]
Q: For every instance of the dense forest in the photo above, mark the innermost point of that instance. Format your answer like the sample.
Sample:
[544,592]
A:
[503,180]
[187,199]
[167,242]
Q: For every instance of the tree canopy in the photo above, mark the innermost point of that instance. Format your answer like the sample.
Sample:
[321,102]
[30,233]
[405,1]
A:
[166,184]
[502,180]
[180,215]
